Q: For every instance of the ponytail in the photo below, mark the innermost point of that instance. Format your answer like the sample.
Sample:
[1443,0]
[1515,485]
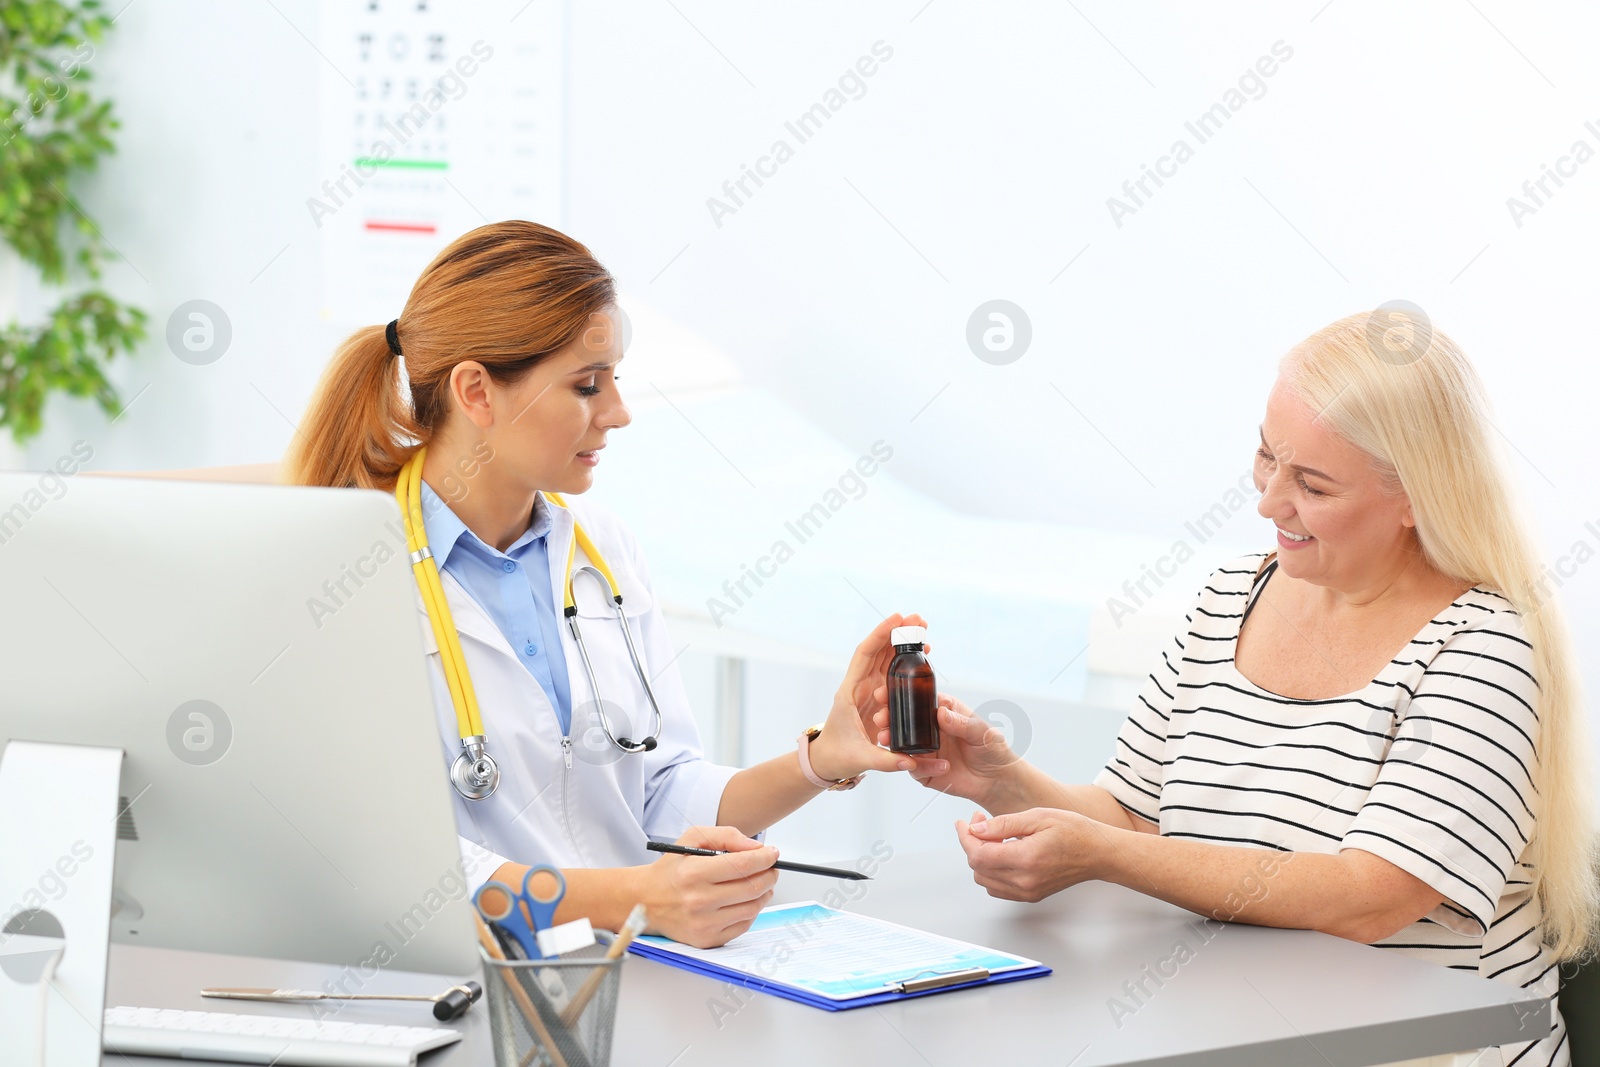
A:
[359,431]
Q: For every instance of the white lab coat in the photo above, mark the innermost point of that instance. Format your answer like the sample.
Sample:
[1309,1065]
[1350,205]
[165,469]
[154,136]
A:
[596,807]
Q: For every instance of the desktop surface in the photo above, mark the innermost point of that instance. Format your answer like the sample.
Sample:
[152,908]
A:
[1239,996]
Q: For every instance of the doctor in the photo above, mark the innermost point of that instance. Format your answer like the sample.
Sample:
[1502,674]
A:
[500,373]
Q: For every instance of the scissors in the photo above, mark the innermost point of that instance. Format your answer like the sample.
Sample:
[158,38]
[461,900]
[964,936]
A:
[498,904]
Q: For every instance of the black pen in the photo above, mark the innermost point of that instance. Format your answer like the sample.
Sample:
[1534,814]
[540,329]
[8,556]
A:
[782,865]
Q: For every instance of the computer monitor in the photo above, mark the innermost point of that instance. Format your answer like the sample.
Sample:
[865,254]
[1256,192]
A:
[256,653]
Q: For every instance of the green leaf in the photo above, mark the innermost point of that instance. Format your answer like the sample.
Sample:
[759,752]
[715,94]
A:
[52,131]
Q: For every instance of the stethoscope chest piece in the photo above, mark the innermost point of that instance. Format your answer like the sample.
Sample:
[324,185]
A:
[474,772]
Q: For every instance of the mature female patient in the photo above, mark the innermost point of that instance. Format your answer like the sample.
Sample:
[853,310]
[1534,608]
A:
[1387,703]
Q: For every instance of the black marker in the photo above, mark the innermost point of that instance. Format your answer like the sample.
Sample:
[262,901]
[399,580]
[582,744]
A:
[782,865]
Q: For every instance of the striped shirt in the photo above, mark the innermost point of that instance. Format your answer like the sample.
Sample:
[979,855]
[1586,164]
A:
[1429,767]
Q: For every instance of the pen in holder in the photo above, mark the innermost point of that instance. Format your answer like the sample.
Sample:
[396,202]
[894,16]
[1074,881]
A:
[560,1012]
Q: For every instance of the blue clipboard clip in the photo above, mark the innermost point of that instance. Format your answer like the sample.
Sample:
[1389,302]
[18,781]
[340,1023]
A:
[940,979]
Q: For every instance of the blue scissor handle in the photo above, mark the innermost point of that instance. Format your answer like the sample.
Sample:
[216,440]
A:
[543,909]
[497,903]
[501,908]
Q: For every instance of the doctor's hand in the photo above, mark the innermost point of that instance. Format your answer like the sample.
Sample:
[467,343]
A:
[846,746]
[1049,850]
[706,901]
[973,760]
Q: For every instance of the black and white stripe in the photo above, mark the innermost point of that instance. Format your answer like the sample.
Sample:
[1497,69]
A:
[1429,766]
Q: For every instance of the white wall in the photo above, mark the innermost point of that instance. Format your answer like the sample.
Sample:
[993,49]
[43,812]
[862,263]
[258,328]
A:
[1376,165]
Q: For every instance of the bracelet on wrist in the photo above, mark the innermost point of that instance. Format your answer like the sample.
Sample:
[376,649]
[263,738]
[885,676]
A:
[804,748]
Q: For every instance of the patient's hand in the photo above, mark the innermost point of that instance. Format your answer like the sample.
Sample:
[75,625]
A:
[973,760]
[1032,854]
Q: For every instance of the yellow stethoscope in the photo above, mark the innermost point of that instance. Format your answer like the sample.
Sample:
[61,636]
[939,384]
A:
[474,772]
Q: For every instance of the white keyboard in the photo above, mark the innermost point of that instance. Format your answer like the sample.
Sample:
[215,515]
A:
[217,1035]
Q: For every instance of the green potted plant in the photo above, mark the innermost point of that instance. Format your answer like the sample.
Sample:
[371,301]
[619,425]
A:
[52,130]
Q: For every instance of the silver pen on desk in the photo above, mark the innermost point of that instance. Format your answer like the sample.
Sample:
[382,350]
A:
[451,1004]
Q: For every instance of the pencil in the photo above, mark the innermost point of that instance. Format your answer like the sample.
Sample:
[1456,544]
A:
[632,928]
[782,865]
[529,1011]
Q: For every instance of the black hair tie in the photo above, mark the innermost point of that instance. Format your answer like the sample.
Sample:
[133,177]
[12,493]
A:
[391,333]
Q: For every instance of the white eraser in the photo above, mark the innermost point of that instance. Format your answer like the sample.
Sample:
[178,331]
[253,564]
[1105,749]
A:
[568,937]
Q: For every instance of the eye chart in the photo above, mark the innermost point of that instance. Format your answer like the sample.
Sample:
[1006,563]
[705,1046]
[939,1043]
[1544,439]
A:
[437,117]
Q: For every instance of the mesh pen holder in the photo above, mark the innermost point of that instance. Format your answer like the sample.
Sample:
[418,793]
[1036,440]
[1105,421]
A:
[531,1007]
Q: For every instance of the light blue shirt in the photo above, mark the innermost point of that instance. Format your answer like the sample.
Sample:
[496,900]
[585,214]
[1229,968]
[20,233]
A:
[512,587]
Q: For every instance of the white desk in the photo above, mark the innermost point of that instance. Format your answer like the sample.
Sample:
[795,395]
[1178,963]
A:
[1249,997]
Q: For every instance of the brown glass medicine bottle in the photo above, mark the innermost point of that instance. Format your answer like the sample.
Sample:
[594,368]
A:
[913,700]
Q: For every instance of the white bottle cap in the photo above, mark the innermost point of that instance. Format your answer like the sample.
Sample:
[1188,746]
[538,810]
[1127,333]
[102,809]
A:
[908,635]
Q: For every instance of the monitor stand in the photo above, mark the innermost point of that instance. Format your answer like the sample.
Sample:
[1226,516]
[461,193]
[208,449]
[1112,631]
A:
[58,834]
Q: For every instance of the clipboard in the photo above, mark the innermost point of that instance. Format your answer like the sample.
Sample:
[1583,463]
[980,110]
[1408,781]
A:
[837,960]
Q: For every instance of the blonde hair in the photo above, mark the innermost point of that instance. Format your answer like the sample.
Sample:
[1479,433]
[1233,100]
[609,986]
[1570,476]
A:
[1401,391]
[507,295]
